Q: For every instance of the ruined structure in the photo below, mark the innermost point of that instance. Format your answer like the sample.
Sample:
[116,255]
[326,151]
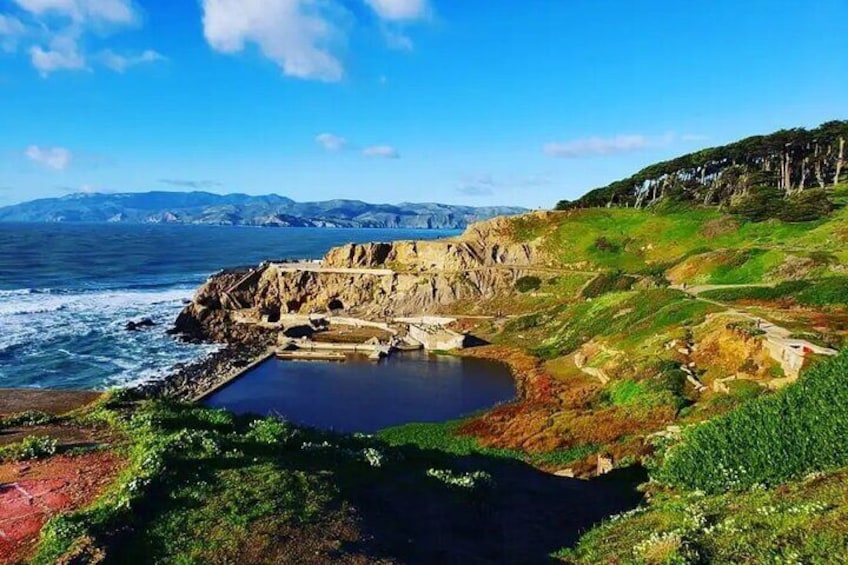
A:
[374,282]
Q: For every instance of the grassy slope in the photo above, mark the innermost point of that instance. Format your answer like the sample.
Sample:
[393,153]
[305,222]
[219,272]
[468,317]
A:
[775,491]
[626,325]
[202,486]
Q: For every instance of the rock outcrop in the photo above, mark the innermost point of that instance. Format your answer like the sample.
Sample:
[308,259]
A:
[371,281]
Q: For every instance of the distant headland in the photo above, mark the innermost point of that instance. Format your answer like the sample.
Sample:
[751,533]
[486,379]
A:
[204,208]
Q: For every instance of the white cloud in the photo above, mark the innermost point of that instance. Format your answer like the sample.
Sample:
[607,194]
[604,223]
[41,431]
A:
[398,10]
[331,142]
[120,63]
[596,146]
[193,184]
[11,31]
[117,12]
[57,158]
[58,29]
[398,40]
[486,184]
[694,137]
[602,146]
[383,151]
[295,34]
[480,185]
[62,54]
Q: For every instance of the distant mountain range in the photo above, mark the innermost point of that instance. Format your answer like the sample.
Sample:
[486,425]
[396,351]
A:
[243,210]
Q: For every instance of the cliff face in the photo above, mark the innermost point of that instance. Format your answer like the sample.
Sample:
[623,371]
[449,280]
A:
[373,281]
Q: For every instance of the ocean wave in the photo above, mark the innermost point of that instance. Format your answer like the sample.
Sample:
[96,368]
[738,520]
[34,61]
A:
[19,302]
[78,339]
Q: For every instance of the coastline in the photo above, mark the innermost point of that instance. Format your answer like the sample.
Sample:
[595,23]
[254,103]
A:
[191,382]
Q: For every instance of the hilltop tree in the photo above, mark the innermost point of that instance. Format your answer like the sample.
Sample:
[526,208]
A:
[791,161]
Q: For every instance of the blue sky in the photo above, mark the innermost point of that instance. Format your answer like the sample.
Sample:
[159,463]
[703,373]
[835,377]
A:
[476,101]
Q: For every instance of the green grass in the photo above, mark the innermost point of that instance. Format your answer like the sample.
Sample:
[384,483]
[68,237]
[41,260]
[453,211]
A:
[804,522]
[822,292]
[750,266]
[441,437]
[632,316]
[624,393]
[782,290]
[202,486]
[769,440]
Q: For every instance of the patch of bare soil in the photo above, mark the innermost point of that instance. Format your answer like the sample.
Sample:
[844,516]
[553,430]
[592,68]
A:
[350,334]
[32,492]
[13,401]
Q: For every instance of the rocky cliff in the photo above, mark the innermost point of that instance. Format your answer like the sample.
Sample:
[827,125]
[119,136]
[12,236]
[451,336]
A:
[372,281]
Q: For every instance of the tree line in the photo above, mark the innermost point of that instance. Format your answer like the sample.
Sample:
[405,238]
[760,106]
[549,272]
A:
[789,162]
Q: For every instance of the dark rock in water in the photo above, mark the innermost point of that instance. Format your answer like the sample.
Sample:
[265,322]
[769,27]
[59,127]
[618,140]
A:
[142,324]
[186,381]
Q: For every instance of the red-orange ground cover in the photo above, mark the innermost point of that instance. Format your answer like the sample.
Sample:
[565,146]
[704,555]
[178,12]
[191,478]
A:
[32,492]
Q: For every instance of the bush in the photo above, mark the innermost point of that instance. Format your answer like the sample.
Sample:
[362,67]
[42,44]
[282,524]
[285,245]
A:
[764,203]
[823,292]
[832,291]
[31,447]
[28,418]
[270,431]
[608,282]
[769,440]
[604,244]
[783,290]
[760,204]
[527,284]
[806,206]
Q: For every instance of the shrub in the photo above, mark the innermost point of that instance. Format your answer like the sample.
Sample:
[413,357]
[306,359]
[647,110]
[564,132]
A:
[760,204]
[31,447]
[822,292]
[608,282]
[783,290]
[462,480]
[604,244]
[28,418]
[832,291]
[806,206]
[768,440]
[528,283]
[764,203]
[270,431]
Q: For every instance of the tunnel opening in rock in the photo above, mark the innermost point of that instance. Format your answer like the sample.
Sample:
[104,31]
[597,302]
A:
[272,314]
[335,304]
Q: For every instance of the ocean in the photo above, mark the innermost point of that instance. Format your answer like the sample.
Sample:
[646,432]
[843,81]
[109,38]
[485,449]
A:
[67,292]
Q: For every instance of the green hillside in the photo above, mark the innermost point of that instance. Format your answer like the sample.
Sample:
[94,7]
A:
[792,161]
[691,347]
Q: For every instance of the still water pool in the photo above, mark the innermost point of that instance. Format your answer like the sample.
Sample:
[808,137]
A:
[362,396]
